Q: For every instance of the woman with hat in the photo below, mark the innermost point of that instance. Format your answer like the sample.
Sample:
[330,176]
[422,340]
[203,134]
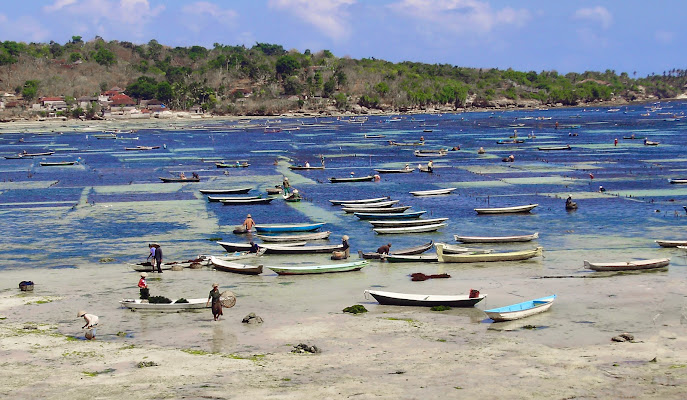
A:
[345,250]
[216,304]
[143,286]
[91,322]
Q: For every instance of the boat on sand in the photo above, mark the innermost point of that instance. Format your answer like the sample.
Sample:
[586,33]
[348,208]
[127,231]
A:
[506,210]
[496,239]
[144,305]
[424,300]
[320,269]
[228,266]
[521,310]
[628,265]
[406,251]
[487,257]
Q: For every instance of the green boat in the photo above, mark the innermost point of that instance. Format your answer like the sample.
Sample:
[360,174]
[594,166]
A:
[320,269]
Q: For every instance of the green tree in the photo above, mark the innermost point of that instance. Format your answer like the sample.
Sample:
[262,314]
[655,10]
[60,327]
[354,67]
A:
[329,87]
[30,89]
[292,86]
[74,57]
[144,87]
[104,57]
[76,39]
[287,65]
[341,101]
[164,92]
[382,88]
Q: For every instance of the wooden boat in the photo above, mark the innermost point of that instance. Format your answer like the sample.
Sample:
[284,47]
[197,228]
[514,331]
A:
[379,204]
[395,171]
[374,136]
[377,210]
[424,300]
[243,190]
[275,190]
[454,249]
[56,163]
[412,214]
[407,251]
[228,266]
[430,153]
[143,305]
[238,255]
[233,247]
[506,210]
[294,197]
[142,148]
[402,222]
[287,248]
[510,141]
[671,243]
[295,238]
[352,179]
[434,192]
[409,229]
[149,267]
[45,153]
[105,136]
[411,258]
[16,157]
[320,269]
[361,201]
[487,257]
[279,228]
[301,168]
[633,137]
[552,148]
[496,239]
[225,165]
[235,202]
[628,265]
[678,181]
[169,180]
[217,199]
[650,143]
[391,142]
[521,310]
[424,169]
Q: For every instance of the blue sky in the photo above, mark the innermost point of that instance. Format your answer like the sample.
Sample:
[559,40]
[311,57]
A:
[625,36]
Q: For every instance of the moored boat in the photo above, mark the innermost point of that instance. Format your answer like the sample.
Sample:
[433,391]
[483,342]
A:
[409,229]
[352,179]
[521,310]
[394,171]
[227,165]
[379,204]
[276,228]
[407,251]
[302,168]
[408,215]
[496,239]
[360,201]
[394,258]
[487,257]
[424,300]
[678,181]
[320,269]
[434,192]
[454,249]
[404,222]
[506,210]
[627,265]
[56,163]
[287,248]
[217,199]
[144,305]
[228,266]
[295,238]
[671,243]
[232,247]
[233,202]
[375,210]
[243,190]
[168,180]
[553,148]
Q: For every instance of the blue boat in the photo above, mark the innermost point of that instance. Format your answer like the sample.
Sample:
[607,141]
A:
[521,310]
[275,228]
[414,214]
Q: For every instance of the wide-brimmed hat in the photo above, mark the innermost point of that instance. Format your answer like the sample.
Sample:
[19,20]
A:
[344,237]
[143,274]
[248,216]
[215,285]
[81,313]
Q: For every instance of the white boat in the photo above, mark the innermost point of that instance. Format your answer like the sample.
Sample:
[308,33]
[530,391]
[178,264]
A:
[409,229]
[295,238]
[143,305]
[506,210]
[406,222]
[379,204]
[424,300]
[671,243]
[375,210]
[628,265]
[232,247]
[360,201]
[229,266]
[454,249]
[320,269]
[238,255]
[487,257]
[496,239]
[521,310]
[435,192]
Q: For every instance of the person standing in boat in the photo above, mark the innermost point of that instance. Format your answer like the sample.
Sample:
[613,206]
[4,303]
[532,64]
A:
[151,256]
[307,164]
[158,258]
[407,168]
[248,223]
[143,286]
[430,166]
[322,159]
[182,175]
[384,249]
[286,186]
[216,304]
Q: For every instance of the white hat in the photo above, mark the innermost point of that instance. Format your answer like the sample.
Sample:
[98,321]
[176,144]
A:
[344,237]
[81,313]
[143,274]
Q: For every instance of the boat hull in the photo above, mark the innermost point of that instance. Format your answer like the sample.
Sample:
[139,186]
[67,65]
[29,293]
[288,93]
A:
[629,265]
[228,266]
[409,215]
[496,239]
[486,257]
[360,201]
[276,228]
[408,251]
[436,192]
[227,191]
[423,300]
[521,310]
[409,229]
[506,210]
[136,304]
[410,222]
[356,179]
[320,269]
[295,238]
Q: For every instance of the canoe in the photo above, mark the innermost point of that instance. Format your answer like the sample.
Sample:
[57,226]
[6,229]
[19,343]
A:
[430,153]
[56,163]
[434,192]
[278,228]
[650,143]
[496,239]
[674,181]
[295,238]
[409,229]
[167,180]
[411,258]
[234,202]
[521,310]
[407,251]
[287,248]
[45,153]
[374,136]
[378,204]
[634,137]
[217,199]
[552,148]
[232,247]
[424,300]
[413,214]
[628,265]
[361,201]
[400,223]
[671,243]
[17,157]
[137,304]
[375,210]
[391,142]
[510,141]
[320,269]
[488,257]
[454,249]
[395,171]
[352,179]
[238,255]
[148,267]
[301,168]
[506,210]
[141,148]
[228,266]
[243,190]
[223,165]
[424,169]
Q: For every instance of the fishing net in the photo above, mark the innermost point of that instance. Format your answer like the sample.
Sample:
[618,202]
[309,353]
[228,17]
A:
[227,298]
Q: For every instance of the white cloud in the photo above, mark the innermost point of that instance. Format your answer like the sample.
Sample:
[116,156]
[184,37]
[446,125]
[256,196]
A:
[58,4]
[461,15]
[596,14]
[664,37]
[196,15]
[328,16]
[24,29]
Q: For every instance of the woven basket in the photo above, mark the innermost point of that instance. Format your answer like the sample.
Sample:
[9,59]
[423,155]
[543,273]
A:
[26,286]
[228,299]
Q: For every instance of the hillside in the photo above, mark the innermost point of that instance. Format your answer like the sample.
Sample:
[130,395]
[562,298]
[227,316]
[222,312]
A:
[266,79]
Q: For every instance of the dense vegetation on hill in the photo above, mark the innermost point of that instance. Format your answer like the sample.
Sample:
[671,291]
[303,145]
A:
[267,79]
